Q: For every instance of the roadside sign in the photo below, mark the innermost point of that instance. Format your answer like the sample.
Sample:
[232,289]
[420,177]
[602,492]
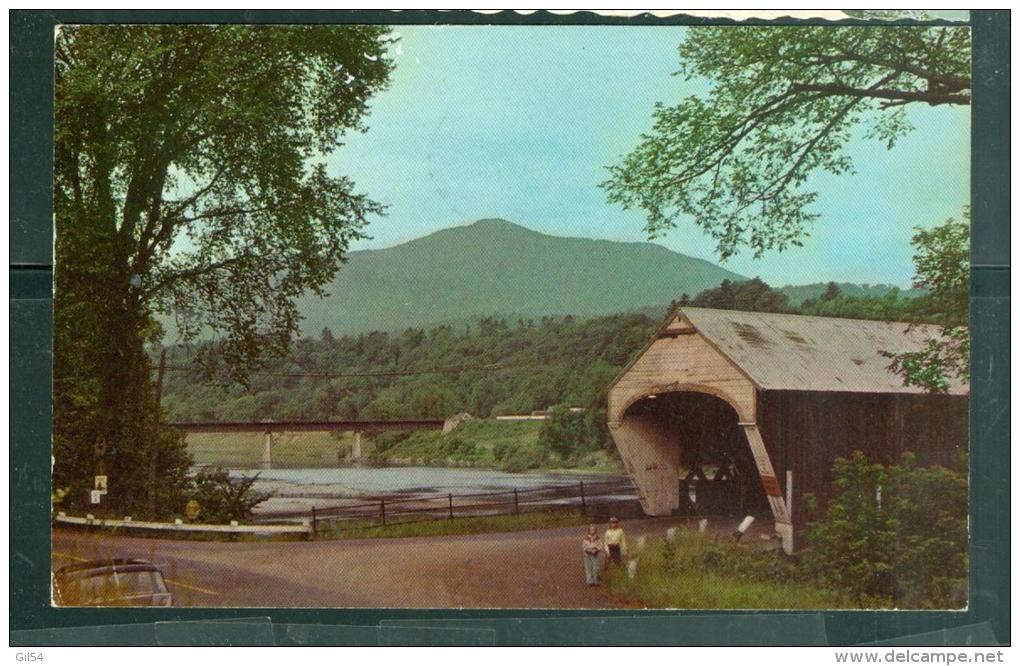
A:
[97,496]
[191,509]
[101,484]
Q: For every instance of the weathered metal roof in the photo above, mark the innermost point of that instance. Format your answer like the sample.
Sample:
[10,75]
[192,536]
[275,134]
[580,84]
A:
[803,353]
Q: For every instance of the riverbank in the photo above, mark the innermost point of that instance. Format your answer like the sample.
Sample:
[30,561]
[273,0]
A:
[510,446]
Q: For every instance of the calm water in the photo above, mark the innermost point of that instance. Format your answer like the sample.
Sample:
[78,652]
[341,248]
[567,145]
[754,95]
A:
[410,480]
[298,490]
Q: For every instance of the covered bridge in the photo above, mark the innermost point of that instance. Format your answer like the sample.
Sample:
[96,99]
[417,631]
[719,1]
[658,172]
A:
[745,412]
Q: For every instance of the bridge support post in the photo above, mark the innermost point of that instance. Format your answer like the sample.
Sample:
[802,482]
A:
[780,508]
[267,451]
[356,447]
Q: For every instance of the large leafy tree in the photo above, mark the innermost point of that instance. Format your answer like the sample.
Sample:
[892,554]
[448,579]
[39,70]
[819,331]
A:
[190,179]
[783,104]
[942,267]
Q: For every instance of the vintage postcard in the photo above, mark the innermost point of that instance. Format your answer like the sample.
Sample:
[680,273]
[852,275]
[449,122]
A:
[512,316]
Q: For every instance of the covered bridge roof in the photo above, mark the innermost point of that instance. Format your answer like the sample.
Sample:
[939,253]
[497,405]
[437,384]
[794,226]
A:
[803,353]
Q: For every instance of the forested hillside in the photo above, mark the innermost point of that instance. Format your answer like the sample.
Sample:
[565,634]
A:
[489,367]
[802,292]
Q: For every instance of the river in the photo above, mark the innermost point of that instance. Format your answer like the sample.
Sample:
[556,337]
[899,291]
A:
[297,489]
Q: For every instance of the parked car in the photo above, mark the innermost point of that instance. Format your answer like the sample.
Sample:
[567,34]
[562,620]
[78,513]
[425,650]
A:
[113,582]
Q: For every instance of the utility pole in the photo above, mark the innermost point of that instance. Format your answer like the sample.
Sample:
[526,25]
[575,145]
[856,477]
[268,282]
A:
[154,446]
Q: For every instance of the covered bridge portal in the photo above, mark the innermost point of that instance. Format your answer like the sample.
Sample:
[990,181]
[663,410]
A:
[745,412]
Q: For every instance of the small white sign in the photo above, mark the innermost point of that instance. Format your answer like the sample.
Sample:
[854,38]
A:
[101,483]
[97,496]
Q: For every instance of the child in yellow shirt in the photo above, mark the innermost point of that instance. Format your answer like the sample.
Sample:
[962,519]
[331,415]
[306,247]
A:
[616,541]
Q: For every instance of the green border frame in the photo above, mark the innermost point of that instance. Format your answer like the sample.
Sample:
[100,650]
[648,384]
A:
[34,622]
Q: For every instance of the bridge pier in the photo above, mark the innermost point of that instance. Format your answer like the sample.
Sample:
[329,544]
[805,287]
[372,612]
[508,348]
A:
[356,447]
[267,451]
[358,427]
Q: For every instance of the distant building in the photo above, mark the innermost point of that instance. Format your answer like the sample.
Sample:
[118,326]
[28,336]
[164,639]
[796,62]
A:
[769,401]
[536,415]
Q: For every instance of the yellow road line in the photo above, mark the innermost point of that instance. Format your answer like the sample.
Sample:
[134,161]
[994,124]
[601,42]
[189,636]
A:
[195,588]
[171,581]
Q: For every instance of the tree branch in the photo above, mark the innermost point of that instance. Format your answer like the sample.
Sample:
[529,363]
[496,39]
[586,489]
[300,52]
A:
[226,212]
[906,96]
[741,130]
[197,271]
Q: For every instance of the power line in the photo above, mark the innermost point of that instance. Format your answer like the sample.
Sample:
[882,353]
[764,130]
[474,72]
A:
[370,373]
[340,375]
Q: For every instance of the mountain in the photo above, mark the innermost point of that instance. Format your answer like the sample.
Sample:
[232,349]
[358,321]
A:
[495,267]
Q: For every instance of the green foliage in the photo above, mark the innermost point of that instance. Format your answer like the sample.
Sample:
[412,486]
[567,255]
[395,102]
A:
[488,368]
[520,459]
[784,103]
[427,447]
[893,535]
[208,133]
[696,571]
[184,181]
[383,444]
[569,434]
[222,498]
[797,294]
[491,367]
[880,302]
[507,445]
[750,295]
[942,265]
[173,469]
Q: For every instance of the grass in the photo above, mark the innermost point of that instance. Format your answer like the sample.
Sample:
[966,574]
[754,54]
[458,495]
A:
[696,571]
[468,525]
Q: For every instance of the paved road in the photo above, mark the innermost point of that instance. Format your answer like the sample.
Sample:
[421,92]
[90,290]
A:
[535,569]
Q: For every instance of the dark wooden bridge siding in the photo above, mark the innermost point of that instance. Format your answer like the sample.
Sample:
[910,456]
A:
[806,431]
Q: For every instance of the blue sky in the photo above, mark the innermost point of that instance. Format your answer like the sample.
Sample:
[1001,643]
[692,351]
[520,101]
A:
[520,122]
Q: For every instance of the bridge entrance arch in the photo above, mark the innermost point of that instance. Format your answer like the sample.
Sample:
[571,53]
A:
[716,473]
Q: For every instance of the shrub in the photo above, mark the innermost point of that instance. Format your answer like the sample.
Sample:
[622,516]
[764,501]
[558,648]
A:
[458,449]
[383,442]
[520,460]
[566,434]
[893,535]
[222,499]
